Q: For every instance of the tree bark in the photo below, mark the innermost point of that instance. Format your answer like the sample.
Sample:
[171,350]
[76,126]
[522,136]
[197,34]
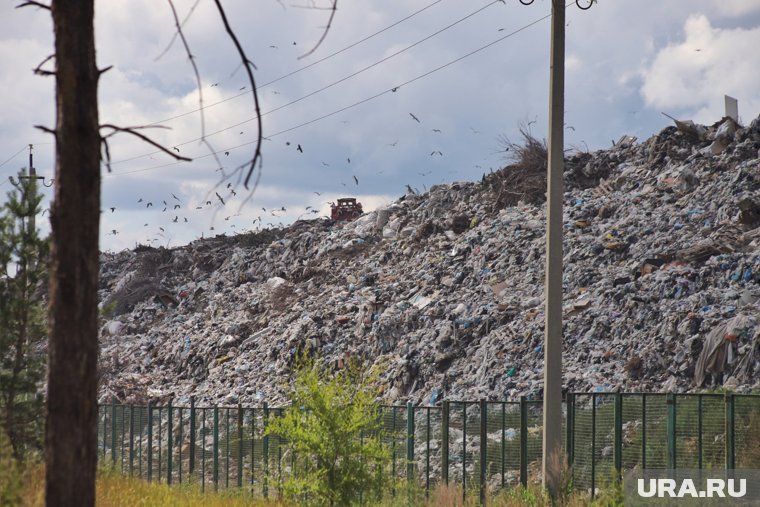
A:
[70,440]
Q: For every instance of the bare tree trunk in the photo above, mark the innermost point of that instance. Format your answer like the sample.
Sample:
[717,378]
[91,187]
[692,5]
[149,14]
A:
[70,441]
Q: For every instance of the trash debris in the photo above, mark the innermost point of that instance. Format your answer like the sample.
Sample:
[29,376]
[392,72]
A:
[443,291]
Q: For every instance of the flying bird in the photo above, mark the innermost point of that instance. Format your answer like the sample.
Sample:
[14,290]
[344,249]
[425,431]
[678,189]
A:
[149,205]
[177,198]
[177,206]
[175,219]
[229,185]
[436,152]
[325,164]
[176,149]
[415,118]
[437,130]
[299,148]
[114,233]
[140,200]
[227,153]
[394,143]
[219,197]
[318,193]
[349,159]
[113,209]
[356,180]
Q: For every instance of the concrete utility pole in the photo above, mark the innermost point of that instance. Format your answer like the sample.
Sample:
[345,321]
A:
[33,181]
[552,457]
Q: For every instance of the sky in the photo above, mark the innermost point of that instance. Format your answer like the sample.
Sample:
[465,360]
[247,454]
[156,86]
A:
[412,92]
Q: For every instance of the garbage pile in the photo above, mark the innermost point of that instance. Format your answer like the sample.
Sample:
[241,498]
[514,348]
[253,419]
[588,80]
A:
[443,291]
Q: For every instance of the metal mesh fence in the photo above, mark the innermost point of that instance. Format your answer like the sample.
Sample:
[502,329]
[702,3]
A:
[746,431]
[477,445]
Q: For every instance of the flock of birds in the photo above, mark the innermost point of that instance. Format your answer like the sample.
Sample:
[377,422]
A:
[175,206]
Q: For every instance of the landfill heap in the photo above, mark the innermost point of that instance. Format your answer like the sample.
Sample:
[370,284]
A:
[442,292]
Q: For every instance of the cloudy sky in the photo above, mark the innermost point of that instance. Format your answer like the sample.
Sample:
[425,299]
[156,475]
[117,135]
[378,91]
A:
[349,105]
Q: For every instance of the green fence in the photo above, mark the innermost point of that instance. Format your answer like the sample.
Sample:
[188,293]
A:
[480,445]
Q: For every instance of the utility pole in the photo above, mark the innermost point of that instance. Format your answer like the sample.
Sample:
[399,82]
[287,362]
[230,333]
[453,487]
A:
[32,186]
[552,457]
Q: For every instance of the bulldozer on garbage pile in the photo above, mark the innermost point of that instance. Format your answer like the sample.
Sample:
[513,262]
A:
[346,209]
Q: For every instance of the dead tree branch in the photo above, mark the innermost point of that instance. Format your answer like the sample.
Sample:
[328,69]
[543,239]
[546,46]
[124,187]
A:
[40,71]
[327,29]
[247,64]
[174,37]
[198,81]
[32,3]
[134,131]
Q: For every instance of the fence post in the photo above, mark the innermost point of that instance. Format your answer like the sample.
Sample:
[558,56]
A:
[113,432]
[169,444]
[265,453]
[503,443]
[730,434]
[227,450]
[570,428]
[445,442]
[160,419]
[699,431]
[393,447]
[150,442]
[131,439]
[192,436]
[409,442]
[670,400]
[483,449]
[464,451]
[643,430]
[523,441]
[618,435]
[216,448]
[140,447]
[180,440]
[240,446]
[427,451]
[593,445]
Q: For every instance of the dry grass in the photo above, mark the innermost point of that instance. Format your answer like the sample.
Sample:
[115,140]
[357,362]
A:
[113,490]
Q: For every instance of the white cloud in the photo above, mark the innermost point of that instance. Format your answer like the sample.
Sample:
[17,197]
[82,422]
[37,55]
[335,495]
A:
[692,76]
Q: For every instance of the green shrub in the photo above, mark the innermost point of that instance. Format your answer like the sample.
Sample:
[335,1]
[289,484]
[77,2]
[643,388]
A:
[334,430]
[10,473]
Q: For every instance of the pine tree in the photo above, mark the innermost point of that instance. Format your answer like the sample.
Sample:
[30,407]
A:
[22,329]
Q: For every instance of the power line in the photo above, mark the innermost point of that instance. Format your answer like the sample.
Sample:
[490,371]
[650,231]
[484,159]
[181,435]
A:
[14,155]
[326,87]
[355,104]
[305,66]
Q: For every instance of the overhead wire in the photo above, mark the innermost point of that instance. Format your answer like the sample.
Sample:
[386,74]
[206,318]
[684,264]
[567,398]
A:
[300,69]
[14,155]
[319,90]
[360,102]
